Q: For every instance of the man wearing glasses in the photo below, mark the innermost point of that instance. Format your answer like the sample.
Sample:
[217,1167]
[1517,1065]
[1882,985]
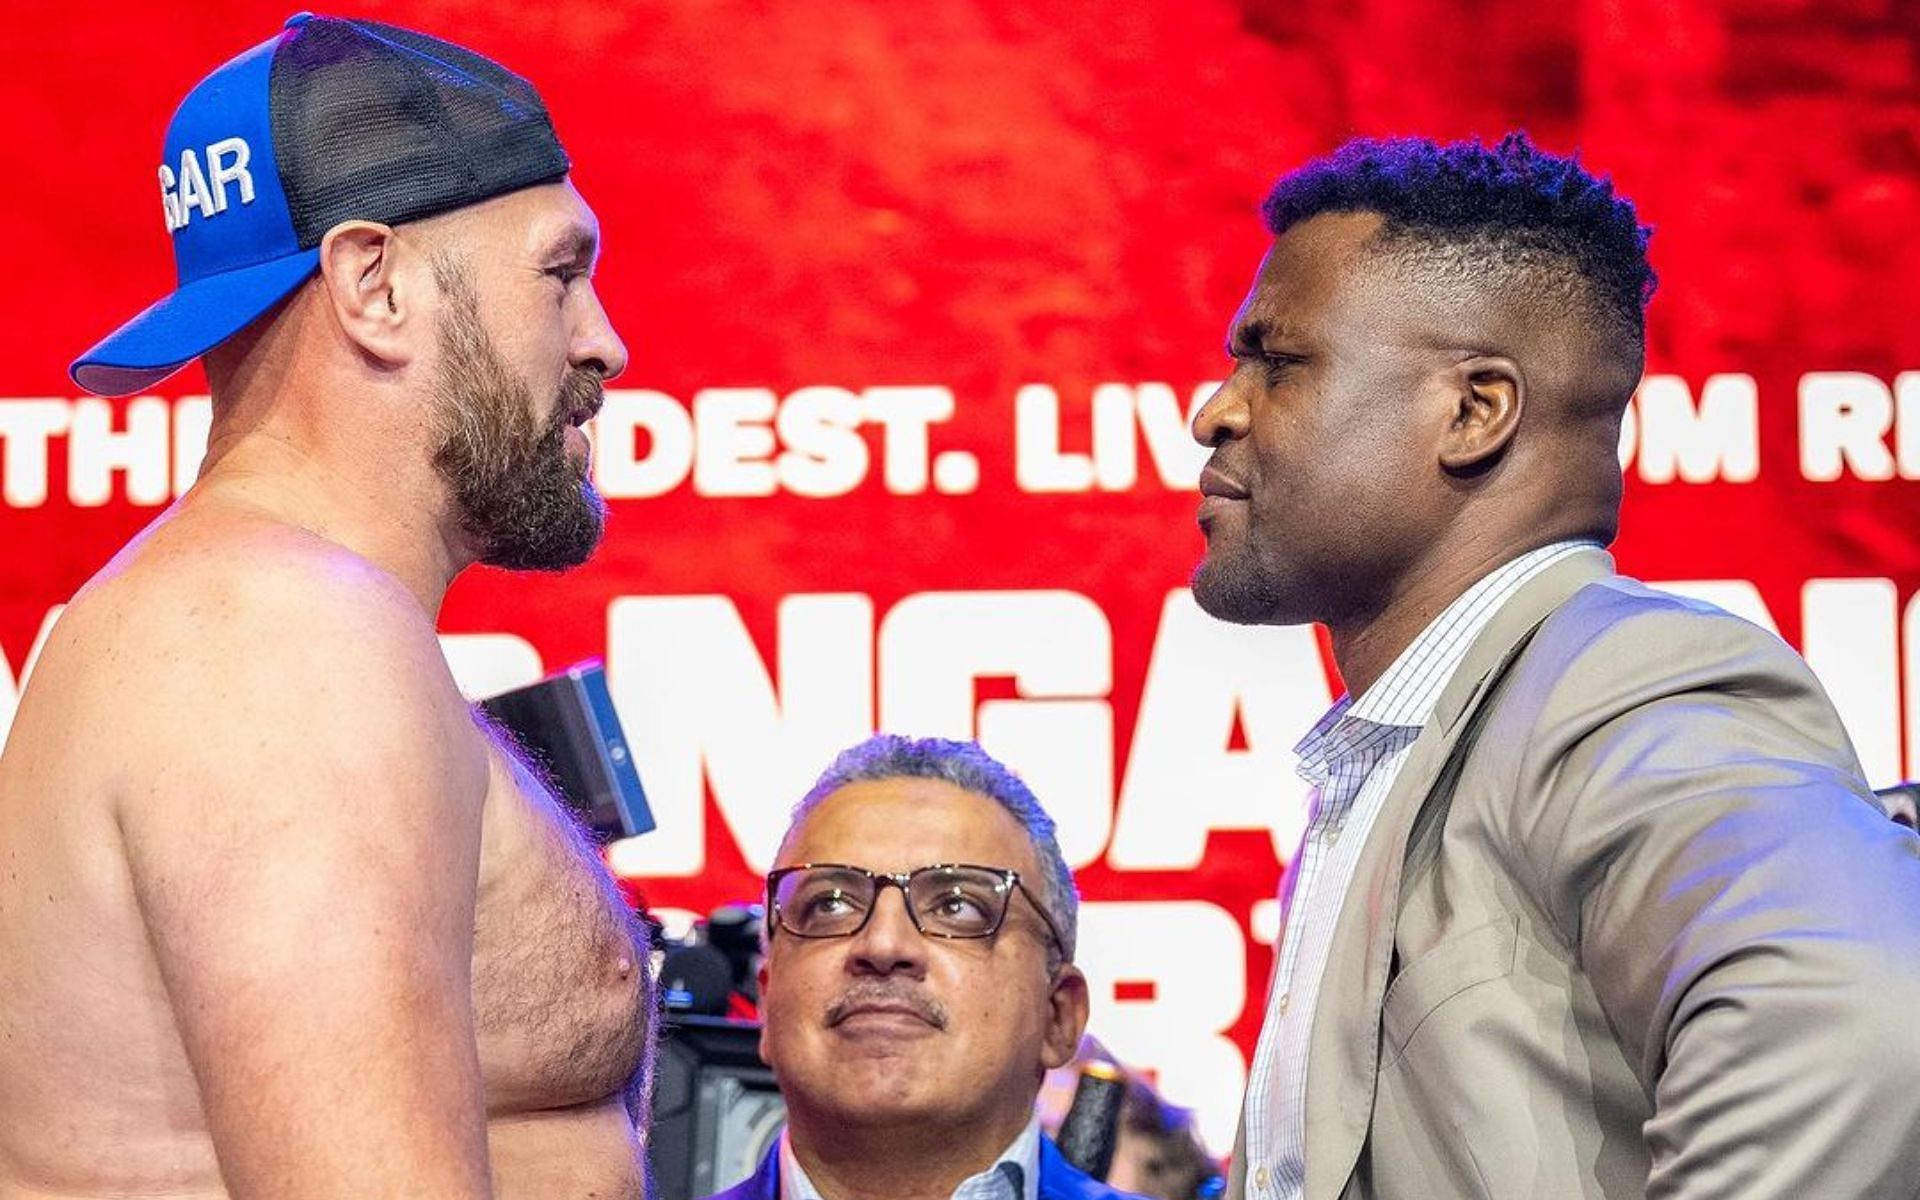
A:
[918,983]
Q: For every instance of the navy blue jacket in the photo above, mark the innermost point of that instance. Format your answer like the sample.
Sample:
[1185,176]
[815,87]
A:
[1059,1180]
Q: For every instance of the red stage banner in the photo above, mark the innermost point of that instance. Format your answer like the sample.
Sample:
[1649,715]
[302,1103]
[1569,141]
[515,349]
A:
[920,299]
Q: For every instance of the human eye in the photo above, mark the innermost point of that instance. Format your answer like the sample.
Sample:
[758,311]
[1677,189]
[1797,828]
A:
[956,905]
[831,903]
[823,912]
[823,901]
[965,903]
[1276,363]
[1272,364]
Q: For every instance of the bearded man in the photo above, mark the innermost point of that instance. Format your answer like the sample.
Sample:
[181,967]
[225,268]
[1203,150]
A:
[280,916]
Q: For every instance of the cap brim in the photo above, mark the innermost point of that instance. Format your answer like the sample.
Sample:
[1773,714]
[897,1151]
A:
[181,327]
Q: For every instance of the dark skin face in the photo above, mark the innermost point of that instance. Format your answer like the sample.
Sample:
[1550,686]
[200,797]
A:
[1366,468]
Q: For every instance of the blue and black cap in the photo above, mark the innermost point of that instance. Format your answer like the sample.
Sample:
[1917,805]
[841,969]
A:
[329,121]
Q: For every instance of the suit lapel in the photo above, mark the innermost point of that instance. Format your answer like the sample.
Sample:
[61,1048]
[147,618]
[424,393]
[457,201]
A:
[765,1182]
[1061,1180]
[1343,1055]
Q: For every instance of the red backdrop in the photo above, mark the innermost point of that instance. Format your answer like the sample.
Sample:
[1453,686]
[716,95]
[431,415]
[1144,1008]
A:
[1036,212]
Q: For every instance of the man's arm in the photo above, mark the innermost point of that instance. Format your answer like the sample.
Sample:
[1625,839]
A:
[1749,920]
[301,820]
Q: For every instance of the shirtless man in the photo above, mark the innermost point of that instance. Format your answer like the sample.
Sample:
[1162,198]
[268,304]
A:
[278,916]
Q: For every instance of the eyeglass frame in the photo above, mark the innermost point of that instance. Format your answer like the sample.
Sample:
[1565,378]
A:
[901,880]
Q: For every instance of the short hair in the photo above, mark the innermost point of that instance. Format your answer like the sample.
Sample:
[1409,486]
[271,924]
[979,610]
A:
[1513,202]
[968,767]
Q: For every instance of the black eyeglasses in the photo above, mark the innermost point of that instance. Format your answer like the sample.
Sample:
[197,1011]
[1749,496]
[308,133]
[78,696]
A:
[949,900]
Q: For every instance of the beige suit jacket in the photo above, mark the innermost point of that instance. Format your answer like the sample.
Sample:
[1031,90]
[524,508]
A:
[1656,939]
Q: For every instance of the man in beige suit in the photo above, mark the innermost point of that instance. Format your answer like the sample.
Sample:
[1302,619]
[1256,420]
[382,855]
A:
[1593,900]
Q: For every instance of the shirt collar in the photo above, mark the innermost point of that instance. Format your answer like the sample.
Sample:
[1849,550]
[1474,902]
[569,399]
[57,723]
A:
[1023,1152]
[1406,693]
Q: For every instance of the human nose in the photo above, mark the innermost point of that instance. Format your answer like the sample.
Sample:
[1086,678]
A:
[889,943]
[596,344]
[1223,418]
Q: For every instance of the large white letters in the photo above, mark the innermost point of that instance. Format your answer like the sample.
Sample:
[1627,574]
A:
[1844,420]
[1057,647]
[698,707]
[1718,440]
[1848,634]
[96,452]
[1186,964]
[1848,637]
[1183,779]
[486,664]
[26,428]
[11,685]
[620,469]
[1122,415]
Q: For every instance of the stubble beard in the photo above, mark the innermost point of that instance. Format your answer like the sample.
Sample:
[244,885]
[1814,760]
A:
[1238,584]
[1227,586]
[524,503]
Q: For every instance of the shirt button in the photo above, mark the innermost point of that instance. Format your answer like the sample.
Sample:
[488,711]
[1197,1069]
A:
[1260,1179]
[1286,998]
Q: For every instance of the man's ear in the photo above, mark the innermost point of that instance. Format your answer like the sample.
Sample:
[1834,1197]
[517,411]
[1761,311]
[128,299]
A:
[1490,393]
[374,300]
[760,976]
[1066,1017]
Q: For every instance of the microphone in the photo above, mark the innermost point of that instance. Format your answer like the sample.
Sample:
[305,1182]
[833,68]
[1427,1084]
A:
[567,724]
[1092,1125]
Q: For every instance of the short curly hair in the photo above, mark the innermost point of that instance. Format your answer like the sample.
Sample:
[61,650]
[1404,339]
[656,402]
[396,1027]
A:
[1467,202]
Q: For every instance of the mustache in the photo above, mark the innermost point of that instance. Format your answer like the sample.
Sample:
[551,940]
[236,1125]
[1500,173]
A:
[582,388]
[893,993]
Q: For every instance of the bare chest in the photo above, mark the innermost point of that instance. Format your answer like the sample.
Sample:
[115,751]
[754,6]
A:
[562,998]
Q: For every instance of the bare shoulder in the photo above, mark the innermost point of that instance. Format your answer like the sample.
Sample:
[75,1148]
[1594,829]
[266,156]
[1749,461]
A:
[258,644]
[295,791]
[178,590]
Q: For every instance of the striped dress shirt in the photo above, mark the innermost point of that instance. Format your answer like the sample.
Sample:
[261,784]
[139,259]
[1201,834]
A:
[1351,758]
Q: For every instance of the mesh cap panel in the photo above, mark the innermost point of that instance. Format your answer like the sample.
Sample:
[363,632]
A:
[383,124]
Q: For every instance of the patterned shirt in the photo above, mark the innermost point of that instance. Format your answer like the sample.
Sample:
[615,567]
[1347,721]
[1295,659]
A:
[1014,1176]
[1351,758]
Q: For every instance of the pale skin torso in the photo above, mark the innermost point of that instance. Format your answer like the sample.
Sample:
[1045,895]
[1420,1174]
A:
[194,905]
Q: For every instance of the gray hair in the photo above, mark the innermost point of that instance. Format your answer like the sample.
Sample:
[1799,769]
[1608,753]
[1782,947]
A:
[968,767]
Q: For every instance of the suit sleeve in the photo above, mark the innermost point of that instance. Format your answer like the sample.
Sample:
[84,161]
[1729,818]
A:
[1747,915]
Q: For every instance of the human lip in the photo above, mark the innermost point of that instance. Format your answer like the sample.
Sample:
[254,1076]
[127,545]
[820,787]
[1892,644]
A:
[1216,484]
[881,1012]
[1219,493]
[585,412]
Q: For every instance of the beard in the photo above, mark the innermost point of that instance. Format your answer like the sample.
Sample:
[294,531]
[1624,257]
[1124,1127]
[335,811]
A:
[1231,592]
[1239,583]
[524,503]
